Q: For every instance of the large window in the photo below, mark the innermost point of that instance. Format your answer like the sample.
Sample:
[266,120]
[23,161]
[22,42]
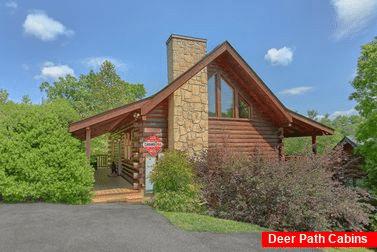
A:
[224,100]
[227,99]
[212,96]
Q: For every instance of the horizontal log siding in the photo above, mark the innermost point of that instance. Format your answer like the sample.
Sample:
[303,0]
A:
[155,119]
[242,135]
[245,136]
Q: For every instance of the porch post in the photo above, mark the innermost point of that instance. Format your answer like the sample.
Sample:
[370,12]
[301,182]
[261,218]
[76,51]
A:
[314,145]
[87,143]
[281,144]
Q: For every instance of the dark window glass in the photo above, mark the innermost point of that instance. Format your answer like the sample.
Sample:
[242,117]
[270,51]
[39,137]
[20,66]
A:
[227,99]
[211,96]
[243,108]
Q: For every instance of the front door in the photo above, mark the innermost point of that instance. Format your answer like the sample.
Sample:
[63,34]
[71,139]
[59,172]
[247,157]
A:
[150,162]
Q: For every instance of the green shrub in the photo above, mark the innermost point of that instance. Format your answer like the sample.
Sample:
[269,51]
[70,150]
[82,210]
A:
[175,187]
[39,159]
[297,195]
[177,202]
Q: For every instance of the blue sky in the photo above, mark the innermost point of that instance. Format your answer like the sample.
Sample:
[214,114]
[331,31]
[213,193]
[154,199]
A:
[305,50]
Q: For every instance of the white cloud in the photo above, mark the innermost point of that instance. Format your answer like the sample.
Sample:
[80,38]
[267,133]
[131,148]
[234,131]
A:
[353,16]
[11,4]
[48,63]
[96,62]
[39,25]
[344,113]
[282,56]
[49,71]
[296,90]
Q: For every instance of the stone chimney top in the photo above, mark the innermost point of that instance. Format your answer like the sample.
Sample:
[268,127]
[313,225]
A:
[183,52]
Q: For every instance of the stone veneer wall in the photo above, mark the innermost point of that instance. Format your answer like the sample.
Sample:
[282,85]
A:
[188,106]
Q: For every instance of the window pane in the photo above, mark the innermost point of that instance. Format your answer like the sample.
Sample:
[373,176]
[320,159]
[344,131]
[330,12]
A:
[226,100]
[243,108]
[211,96]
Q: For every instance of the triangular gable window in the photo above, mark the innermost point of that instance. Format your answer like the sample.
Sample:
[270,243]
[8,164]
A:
[224,100]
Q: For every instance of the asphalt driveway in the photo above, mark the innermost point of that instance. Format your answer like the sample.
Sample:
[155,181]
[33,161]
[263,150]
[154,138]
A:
[106,227]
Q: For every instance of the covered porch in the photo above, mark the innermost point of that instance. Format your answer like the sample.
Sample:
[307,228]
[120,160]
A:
[123,123]
[114,188]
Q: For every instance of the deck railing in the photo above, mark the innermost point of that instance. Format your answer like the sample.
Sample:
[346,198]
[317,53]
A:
[102,161]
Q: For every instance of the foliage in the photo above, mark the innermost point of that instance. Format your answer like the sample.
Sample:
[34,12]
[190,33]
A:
[174,184]
[39,159]
[298,195]
[26,99]
[4,95]
[204,223]
[95,92]
[343,125]
[312,114]
[365,94]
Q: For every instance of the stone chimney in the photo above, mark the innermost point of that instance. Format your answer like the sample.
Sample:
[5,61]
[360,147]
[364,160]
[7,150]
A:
[183,52]
[188,106]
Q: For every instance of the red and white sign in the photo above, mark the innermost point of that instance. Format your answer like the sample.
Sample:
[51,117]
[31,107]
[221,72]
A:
[152,144]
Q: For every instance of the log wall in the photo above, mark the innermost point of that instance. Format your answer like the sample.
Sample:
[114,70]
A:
[155,122]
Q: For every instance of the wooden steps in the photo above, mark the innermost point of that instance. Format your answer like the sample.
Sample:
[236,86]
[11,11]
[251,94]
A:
[118,195]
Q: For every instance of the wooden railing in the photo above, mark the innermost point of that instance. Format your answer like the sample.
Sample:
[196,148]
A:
[102,161]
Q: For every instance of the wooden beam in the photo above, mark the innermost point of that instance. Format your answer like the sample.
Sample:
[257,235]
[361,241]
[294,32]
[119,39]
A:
[314,144]
[87,143]
[236,112]
[281,144]
[218,95]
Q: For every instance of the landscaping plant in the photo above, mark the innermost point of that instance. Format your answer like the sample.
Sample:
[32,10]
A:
[294,195]
[175,188]
[39,159]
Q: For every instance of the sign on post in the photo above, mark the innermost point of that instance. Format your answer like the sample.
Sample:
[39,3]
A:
[152,145]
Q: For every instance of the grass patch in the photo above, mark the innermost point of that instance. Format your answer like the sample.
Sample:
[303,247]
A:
[204,223]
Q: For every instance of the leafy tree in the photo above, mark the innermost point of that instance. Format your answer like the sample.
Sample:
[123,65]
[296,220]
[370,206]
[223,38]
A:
[39,159]
[312,114]
[365,94]
[26,99]
[95,92]
[4,95]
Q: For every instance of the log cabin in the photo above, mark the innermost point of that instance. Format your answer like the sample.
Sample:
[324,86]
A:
[212,99]
[350,161]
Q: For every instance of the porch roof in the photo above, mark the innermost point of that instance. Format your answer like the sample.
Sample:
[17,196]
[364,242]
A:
[108,121]
[302,126]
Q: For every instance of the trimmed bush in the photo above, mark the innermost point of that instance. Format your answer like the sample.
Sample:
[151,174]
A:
[296,195]
[39,159]
[174,184]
